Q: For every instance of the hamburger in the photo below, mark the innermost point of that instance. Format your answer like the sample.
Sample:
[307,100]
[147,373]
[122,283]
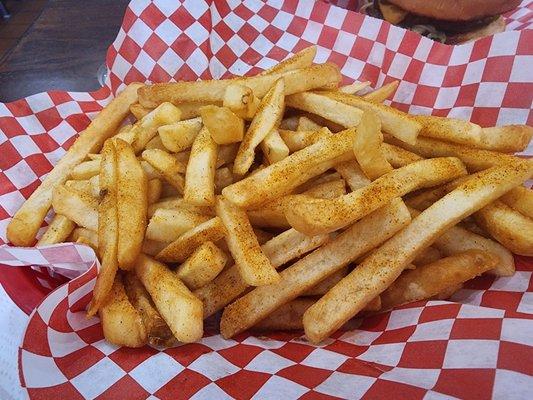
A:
[446,21]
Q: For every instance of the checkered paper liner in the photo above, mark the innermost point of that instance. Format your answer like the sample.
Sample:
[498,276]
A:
[476,345]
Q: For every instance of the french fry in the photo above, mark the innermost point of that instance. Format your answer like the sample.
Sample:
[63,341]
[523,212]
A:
[83,186]
[262,236]
[180,309]
[156,143]
[520,199]
[397,156]
[204,264]
[282,177]
[200,175]
[166,225]
[132,204]
[448,292]
[512,229]
[253,264]
[88,237]
[331,109]
[153,247]
[323,287]
[474,159]
[192,109]
[307,124]
[304,58]
[144,130]
[458,240]
[274,148]
[79,207]
[224,126]
[312,216]
[176,203]
[385,264]
[400,125]
[57,231]
[169,191]
[355,87]
[139,111]
[226,154]
[367,147]
[158,332]
[505,139]
[168,166]
[431,279]
[383,93]
[267,118]
[288,317]
[155,188]
[23,227]
[151,172]
[180,136]
[180,249]
[229,284]
[352,174]
[355,241]
[121,322]
[223,178]
[241,100]
[290,123]
[297,140]
[427,256]
[85,170]
[296,81]
[108,228]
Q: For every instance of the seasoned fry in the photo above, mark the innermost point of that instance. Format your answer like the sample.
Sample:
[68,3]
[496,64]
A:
[200,175]
[506,139]
[400,125]
[166,225]
[290,123]
[157,330]
[355,87]
[282,177]
[83,186]
[76,206]
[312,216]
[352,174]
[180,136]
[85,170]
[367,147]
[155,187]
[241,100]
[323,287]
[224,126]
[288,317]
[153,247]
[274,148]
[132,205]
[180,309]
[168,166]
[229,284]
[397,156]
[384,265]
[431,279]
[57,231]
[304,58]
[226,154]
[155,143]
[253,264]
[427,256]
[181,248]
[23,227]
[357,240]
[121,322]
[296,81]
[90,237]
[383,93]
[307,124]
[176,203]
[204,264]
[223,178]
[139,111]
[267,118]
[521,199]
[297,140]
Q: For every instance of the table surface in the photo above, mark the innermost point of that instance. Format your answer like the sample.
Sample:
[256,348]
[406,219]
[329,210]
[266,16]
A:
[63,49]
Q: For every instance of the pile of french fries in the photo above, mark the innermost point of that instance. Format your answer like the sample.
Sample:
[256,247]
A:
[281,199]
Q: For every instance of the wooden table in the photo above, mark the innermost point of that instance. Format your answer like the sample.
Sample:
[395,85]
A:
[63,49]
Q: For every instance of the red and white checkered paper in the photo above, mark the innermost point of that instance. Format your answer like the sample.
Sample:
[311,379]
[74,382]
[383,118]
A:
[476,346]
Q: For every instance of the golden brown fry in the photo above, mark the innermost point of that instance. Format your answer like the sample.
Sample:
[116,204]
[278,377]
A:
[427,256]
[85,170]
[274,148]
[108,227]
[83,186]
[204,264]
[176,203]
[383,93]
[307,124]
[152,247]
[139,111]
[224,126]
[289,123]
[448,292]
[397,156]
[155,187]
[431,279]
[282,177]
[352,174]
[121,322]
[132,205]
[180,309]
[385,264]
[223,178]
[357,240]
[168,166]
[288,317]
[158,332]
[166,225]
[296,81]
[23,227]
[302,59]
[180,136]
[200,175]
[155,143]
[180,249]
[521,199]
[57,231]
[229,284]
[79,207]
[226,154]
[312,216]
[267,118]
[241,100]
[354,87]
[253,264]
[505,139]
[322,287]
[297,140]
[90,237]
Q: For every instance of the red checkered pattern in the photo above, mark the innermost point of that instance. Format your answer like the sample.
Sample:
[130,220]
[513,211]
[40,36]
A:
[425,350]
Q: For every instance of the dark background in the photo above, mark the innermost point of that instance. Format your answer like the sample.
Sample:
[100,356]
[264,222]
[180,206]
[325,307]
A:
[55,44]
